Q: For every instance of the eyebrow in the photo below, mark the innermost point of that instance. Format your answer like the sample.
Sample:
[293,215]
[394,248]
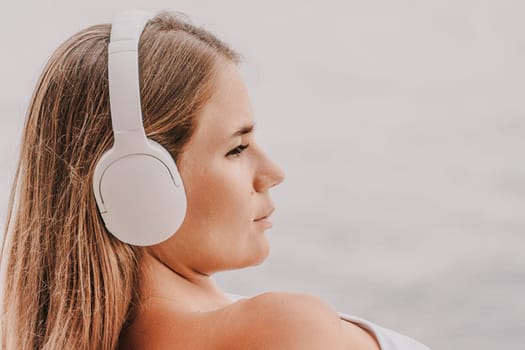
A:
[244,130]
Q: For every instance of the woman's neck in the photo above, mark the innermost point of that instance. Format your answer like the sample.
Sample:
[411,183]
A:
[180,284]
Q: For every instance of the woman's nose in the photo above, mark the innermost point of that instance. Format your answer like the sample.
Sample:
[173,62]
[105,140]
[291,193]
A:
[269,174]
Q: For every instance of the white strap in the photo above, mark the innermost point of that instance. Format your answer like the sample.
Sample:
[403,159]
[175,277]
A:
[123,72]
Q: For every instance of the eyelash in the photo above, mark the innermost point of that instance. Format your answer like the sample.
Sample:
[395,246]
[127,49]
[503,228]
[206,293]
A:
[237,150]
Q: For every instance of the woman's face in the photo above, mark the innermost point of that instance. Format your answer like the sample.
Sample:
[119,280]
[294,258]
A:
[227,178]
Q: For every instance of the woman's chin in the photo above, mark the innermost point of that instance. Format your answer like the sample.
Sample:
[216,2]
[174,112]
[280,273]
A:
[261,260]
[258,255]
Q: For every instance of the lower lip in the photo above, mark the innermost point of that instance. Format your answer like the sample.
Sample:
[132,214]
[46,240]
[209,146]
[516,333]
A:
[266,222]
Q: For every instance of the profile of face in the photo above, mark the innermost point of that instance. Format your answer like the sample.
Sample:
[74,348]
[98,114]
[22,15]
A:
[227,178]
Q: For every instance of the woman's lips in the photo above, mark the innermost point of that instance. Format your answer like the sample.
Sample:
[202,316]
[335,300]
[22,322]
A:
[266,221]
[267,215]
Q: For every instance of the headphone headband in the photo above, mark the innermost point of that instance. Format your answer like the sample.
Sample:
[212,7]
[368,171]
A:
[123,72]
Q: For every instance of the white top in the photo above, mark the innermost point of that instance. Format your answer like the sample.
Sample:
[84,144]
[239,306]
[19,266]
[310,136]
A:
[387,339]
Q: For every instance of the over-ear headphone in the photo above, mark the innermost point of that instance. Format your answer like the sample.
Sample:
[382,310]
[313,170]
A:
[137,186]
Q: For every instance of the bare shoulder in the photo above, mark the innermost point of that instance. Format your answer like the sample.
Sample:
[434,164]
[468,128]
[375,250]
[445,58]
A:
[272,320]
[282,320]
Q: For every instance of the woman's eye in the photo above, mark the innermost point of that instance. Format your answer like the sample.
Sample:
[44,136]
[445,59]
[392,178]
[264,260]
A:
[237,150]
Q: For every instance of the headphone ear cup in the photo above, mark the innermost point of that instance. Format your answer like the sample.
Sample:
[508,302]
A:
[143,205]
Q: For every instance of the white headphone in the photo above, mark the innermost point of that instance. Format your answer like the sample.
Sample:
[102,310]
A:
[137,186]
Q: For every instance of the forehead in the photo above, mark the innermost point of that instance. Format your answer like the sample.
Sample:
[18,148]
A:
[228,109]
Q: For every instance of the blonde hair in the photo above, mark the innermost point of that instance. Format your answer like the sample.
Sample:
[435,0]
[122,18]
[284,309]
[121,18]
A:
[69,284]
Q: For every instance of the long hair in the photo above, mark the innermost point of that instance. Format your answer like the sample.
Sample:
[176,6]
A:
[68,283]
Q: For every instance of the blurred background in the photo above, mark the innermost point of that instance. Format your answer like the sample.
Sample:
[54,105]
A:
[400,125]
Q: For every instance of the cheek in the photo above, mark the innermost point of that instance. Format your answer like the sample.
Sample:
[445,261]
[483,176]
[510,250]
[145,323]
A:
[220,197]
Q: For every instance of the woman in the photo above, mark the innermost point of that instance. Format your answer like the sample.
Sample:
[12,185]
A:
[71,280]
